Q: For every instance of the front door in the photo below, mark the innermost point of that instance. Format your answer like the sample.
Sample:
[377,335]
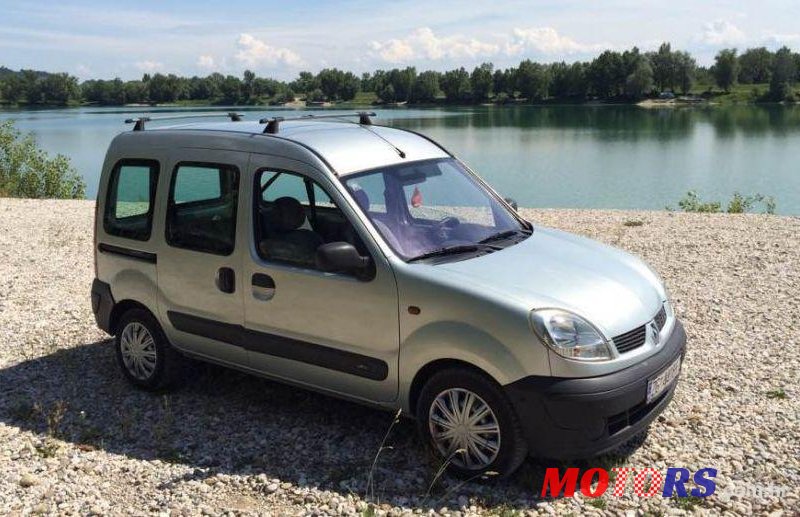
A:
[335,332]
[199,268]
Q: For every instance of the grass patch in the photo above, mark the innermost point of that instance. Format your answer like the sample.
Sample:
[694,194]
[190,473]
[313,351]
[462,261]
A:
[598,502]
[778,394]
[688,504]
[633,223]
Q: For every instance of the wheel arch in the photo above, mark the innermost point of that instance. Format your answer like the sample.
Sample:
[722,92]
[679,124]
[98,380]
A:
[432,368]
[121,308]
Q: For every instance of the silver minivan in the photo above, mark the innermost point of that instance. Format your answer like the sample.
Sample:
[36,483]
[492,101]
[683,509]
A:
[369,263]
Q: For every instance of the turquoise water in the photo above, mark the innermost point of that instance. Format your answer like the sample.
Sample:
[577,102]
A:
[551,156]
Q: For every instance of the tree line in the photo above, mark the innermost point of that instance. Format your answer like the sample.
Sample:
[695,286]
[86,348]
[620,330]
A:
[629,75]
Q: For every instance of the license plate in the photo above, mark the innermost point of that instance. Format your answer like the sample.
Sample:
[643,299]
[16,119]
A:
[662,381]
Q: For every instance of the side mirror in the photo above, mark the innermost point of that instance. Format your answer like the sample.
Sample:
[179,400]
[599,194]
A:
[336,257]
[511,202]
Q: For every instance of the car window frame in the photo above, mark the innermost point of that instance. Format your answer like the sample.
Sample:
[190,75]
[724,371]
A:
[113,191]
[170,204]
[256,226]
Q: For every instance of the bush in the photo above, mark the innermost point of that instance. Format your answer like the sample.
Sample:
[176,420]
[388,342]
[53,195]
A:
[691,203]
[738,204]
[28,171]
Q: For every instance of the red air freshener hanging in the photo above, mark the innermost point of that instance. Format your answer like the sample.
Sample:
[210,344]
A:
[416,198]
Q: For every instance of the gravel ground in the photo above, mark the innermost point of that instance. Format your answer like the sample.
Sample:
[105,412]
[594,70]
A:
[76,439]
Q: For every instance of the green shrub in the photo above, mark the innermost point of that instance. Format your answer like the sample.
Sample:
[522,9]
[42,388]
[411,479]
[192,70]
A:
[738,204]
[28,171]
[691,203]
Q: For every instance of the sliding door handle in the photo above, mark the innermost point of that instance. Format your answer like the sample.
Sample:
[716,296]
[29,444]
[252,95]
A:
[225,280]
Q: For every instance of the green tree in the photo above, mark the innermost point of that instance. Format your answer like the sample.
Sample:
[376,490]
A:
[305,83]
[663,63]
[403,82]
[784,74]
[455,85]
[316,95]
[230,89]
[330,81]
[135,91]
[27,171]
[248,85]
[640,81]
[532,80]
[685,68]
[755,66]
[13,88]
[426,87]
[726,69]
[350,86]
[607,75]
[503,81]
[386,93]
[31,86]
[481,82]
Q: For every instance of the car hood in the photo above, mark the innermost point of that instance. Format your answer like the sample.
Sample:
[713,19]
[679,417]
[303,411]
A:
[614,290]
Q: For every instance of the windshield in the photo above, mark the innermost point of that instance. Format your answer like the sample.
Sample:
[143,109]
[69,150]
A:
[430,206]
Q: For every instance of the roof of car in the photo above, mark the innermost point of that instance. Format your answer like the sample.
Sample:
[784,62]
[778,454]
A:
[346,147]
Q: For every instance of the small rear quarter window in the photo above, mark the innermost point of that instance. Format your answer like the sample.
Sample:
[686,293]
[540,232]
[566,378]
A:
[131,194]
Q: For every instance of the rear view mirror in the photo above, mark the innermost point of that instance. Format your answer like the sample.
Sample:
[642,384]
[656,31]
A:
[511,202]
[337,257]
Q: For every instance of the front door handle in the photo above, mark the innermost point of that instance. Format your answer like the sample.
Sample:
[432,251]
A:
[225,280]
[263,287]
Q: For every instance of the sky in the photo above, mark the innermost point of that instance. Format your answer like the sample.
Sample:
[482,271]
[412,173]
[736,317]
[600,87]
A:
[106,39]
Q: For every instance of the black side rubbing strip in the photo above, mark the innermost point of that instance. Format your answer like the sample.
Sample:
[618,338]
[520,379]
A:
[279,346]
[144,256]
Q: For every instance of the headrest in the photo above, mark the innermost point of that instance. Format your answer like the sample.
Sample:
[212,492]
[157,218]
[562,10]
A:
[362,199]
[289,215]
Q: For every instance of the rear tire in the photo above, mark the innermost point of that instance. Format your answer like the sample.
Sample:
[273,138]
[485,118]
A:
[144,354]
[467,421]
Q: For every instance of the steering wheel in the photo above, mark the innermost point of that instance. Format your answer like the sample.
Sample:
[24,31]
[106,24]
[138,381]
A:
[443,230]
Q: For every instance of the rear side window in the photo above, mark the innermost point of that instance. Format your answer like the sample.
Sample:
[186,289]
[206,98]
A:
[201,214]
[129,205]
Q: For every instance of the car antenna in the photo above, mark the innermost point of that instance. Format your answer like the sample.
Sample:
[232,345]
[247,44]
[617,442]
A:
[399,151]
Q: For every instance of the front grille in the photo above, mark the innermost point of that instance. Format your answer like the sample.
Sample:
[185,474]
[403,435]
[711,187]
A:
[630,340]
[632,416]
[661,318]
[636,337]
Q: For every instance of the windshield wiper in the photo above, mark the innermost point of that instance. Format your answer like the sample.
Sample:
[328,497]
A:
[502,235]
[450,250]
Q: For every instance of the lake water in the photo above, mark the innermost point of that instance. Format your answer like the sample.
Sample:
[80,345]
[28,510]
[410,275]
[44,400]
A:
[553,156]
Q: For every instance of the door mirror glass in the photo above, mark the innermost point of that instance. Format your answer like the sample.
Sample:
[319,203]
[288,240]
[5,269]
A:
[340,257]
[511,202]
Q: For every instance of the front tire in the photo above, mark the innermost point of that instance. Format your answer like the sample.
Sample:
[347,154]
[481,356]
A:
[144,354]
[469,423]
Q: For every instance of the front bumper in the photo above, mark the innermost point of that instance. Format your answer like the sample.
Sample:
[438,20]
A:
[565,418]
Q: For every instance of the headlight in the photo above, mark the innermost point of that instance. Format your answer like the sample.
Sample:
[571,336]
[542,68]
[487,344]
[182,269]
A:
[569,335]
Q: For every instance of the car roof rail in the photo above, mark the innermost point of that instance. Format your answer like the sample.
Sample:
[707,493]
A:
[273,123]
[138,123]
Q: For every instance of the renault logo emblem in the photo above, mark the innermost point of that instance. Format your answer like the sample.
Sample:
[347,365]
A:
[654,334]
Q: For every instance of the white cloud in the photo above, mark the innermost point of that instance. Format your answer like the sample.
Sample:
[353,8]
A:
[254,52]
[149,66]
[720,33]
[206,62]
[779,40]
[423,43]
[547,40]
